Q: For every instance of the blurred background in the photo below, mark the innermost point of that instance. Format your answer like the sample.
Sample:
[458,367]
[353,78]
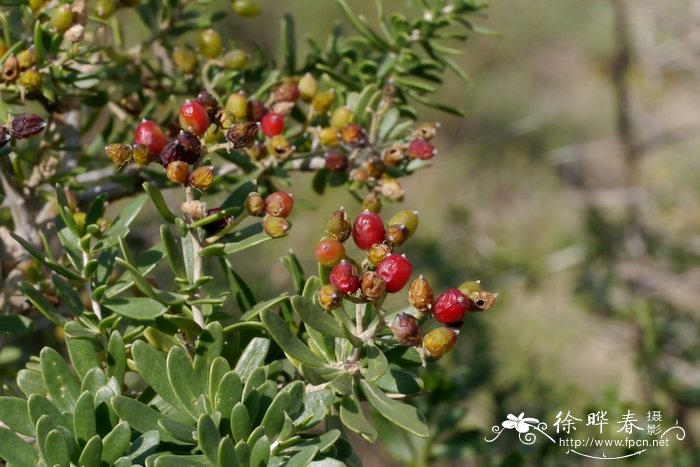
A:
[571,187]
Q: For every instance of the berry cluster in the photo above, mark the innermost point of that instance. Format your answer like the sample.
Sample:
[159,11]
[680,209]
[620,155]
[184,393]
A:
[384,271]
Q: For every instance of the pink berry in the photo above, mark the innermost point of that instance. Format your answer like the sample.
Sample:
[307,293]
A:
[149,134]
[279,204]
[396,271]
[450,306]
[345,278]
[329,252]
[367,230]
[421,149]
[272,124]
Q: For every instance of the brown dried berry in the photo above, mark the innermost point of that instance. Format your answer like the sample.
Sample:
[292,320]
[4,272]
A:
[4,136]
[420,295]
[255,204]
[439,341]
[393,156]
[391,189]
[406,329]
[339,226]
[336,161]
[194,210]
[142,156]
[372,203]
[353,135]
[396,235]
[202,177]
[374,167]
[191,147]
[119,153]
[178,172]
[210,104]
[242,135]
[10,69]
[330,297]
[373,286]
[287,92]
[173,151]
[27,125]
[280,147]
[426,131]
[256,110]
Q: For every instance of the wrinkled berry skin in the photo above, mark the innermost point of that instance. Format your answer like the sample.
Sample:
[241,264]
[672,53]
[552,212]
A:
[330,297]
[242,135]
[279,204]
[338,226]
[406,329]
[439,341]
[336,161]
[255,204]
[287,92]
[396,270]
[373,286]
[216,226]
[420,295]
[27,125]
[329,252]
[345,278]
[173,151]
[210,104]
[367,230]
[272,124]
[421,149]
[450,306]
[149,134]
[191,146]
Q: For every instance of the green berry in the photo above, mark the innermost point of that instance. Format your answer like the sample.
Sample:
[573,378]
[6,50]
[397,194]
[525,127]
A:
[105,8]
[407,218]
[210,43]
[237,104]
[308,87]
[62,18]
[246,8]
[185,60]
[341,117]
[235,59]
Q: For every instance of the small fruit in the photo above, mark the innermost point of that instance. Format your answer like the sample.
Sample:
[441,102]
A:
[407,218]
[275,226]
[344,276]
[329,297]
[218,225]
[27,58]
[323,101]
[256,110]
[420,295]
[329,136]
[246,8]
[272,124]
[439,341]
[62,18]
[142,155]
[178,172]
[353,135]
[338,226]
[329,252]
[393,156]
[255,204]
[119,153]
[279,204]
[193,117]
[105,8]
[374,167]
[336,161]
[242,135]
[149,134]
[191,147]
[308,87]
[26,125]
[30,79]
[185,60]
[479,299]
[235,59]
[194,210]
[396,270]
[373,286]
[237,104]
[367,230]
[341,117]
[210,43]
[280,147]
[202,177]
[210,104]
[377,253]
[391,189]
[426,131]
[10,69]
[396,235]
[36,5]
[450,307]
[421,149]
[406,329]
[287,92]
[173,151]
[372,202]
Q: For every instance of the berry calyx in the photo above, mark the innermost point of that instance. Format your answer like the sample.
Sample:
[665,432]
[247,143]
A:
[367,230]
[279,204]
[450,307]
[193,117]
[202,177]
[149,134]
[421,149]
[377,253]
[345,278]
[373,286]
[439,341]
[396,270]
[329,252]
[272,124]
[409,219]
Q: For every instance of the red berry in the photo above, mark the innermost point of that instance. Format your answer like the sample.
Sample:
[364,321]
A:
[256,110]
[272,124]
[396,271]
[421,149]
[345,278]
[367,230]
[450,306]
[329,252]
[279,204]
[193,117]
[149,134]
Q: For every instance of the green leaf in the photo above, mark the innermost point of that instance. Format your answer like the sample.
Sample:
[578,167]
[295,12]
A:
[241,424]
[92,453]
[116,357]
[303,457]
[173,252]
[377,363]
[42,304]
[60,381]
[267,304]
[291,262]
[252,357]
[159,202]
[139,308]
[56,451]
[143,446]
[15,451]
[296,390]
[93,380]
[30,382]
[120,227]
[289,343]
[229,393]
[404,415]
[116,443]
[167,298]
[145,263]
[274,417]
[391,117]
[260,454]
[219,368]
[227,453]
[208,437]
[238,288]
[183,381]
[141,417]
[244,244]
[39,405]
[69,297]
[179,431]
[288,45]
[316,405]
[314,316]
[400,382]
[173,460]
[14,413]
[64,210]
[15,325]
[153,369]
[84,425]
